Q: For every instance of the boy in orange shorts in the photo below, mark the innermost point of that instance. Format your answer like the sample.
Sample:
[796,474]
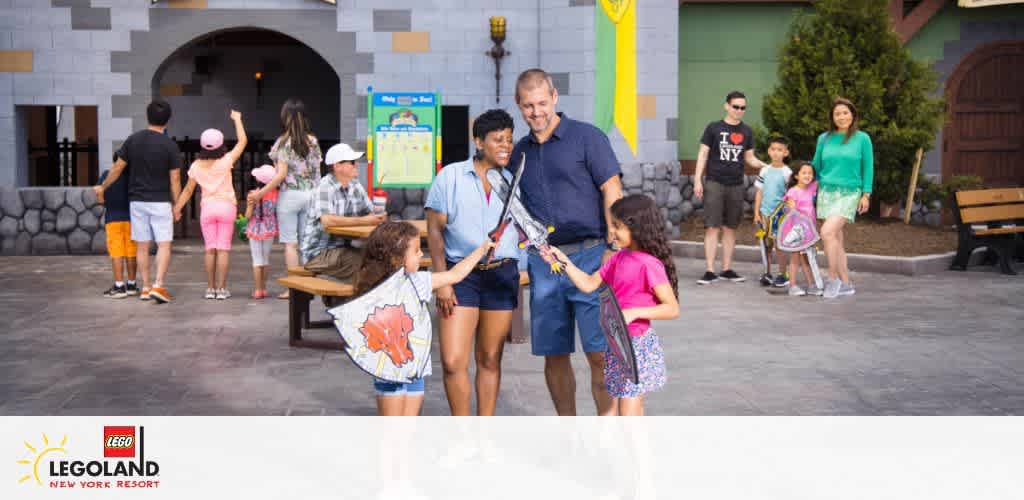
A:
[120,246]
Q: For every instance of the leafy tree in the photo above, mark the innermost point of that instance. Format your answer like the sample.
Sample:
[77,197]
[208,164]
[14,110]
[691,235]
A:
[847,48]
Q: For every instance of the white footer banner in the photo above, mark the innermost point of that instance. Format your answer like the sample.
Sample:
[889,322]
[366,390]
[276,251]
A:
[521,458]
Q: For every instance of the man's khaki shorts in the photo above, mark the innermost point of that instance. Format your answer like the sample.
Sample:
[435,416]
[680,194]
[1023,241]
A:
[341,263]
[723,205]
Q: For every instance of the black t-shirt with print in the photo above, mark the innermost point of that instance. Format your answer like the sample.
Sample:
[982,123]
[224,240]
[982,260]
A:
[727,143]
[150,156]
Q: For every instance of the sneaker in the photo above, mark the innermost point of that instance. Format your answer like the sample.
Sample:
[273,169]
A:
[145,294]
[814,290]
[832,289]
[846,289]
[781,281]
[766,279]
[131,289]
[223,293]
[160,294]
[210,294]
[708,278]
[796,291]
[731,275]
[116,292]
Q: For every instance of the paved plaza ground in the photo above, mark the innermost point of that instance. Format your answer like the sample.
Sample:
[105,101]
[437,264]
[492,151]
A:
[946,344]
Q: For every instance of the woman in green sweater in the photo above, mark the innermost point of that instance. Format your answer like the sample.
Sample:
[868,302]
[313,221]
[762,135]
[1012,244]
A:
[844,159]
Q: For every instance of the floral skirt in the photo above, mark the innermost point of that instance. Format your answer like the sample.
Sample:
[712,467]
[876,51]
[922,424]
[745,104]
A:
[650,361]
[838,201]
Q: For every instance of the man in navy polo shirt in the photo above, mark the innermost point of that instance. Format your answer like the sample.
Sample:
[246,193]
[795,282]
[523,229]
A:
[570,182]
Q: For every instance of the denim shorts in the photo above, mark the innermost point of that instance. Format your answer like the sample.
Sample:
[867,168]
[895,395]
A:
[557,306]
[491,290]
[292,205]
[386,388]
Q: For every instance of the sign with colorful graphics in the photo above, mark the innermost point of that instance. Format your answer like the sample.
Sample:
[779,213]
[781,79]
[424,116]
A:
[404,139]
[60,465]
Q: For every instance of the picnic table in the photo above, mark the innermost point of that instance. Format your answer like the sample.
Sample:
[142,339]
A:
[361,232]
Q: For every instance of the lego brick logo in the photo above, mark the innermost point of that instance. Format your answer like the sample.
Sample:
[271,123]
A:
[119,441]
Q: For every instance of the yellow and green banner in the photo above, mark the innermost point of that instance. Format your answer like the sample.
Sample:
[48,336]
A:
[615,68]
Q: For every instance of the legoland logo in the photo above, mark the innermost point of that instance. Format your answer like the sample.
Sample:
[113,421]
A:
[119,442]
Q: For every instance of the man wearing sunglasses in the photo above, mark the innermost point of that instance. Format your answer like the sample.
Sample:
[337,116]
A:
[725,146]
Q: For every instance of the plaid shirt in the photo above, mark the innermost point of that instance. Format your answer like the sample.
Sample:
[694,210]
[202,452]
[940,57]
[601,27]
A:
[331,199]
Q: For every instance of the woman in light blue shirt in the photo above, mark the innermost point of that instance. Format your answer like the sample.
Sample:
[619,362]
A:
[461,210]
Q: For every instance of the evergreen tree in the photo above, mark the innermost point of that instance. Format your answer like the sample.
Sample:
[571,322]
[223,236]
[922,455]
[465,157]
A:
[847,48]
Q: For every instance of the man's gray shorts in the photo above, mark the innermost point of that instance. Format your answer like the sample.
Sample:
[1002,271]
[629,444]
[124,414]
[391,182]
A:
[723,205]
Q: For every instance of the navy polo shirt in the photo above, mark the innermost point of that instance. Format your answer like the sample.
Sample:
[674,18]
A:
[561,186]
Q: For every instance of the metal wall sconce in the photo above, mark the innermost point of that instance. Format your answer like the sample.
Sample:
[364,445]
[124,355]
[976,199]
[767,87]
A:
[497,52]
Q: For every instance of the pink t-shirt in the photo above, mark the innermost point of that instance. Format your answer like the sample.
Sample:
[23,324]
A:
[632,276]
[214,179]
[804,198]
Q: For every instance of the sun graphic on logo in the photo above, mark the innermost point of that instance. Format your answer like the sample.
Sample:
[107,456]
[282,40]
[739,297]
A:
[46,450]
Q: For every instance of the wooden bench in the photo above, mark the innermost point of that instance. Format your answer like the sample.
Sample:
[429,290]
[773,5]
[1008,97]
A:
[991,218]
[301,290]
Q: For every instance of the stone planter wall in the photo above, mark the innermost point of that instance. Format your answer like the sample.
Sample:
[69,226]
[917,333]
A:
[406,204]
[50,221]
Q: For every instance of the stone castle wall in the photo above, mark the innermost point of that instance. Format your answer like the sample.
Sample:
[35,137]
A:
[51,221]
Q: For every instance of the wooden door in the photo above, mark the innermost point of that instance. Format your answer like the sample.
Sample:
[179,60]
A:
[985,134]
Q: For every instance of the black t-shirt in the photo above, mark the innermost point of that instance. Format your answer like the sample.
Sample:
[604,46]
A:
[727,143]
[150,156]
[115,199]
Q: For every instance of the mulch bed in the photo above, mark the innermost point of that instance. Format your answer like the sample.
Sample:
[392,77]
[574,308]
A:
[870,236]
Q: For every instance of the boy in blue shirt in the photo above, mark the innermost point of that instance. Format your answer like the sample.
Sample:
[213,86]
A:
[120,246]
[771,187]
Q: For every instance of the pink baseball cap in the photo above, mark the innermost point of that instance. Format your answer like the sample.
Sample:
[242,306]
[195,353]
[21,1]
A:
[211,139]
[265,173]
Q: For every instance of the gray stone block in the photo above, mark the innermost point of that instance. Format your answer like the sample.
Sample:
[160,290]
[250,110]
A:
[90,18]
[661,190]
[79,241]
[49,244]
[561,81]
[7,246]
[675,215]
[751,194]
[392,20]
[67,220]
[99,242]
[70,3]
[648,171]
[933,219]
[32,198]
[10,202]
[88,222]
[916,218]
[672,129]
[698,203]
[673,173]
[414,196]
[916,207]
[53,198]
[8,227]
[664,214]
[48,216]
[687,192]
[747,207]
[98,210]
[49,227]
[675,197]
[935,206]
[685,179]
[74,199]
[632,175]
[648,186]
[661,171]
[412,212]
[23,244]
[89,198]
[32,221]
[686,208]
[396,201]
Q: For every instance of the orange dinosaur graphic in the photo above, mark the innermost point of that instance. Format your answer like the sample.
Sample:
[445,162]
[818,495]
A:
[387,329]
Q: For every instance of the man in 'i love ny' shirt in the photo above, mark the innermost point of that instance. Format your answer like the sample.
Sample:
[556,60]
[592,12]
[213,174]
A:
[725,146]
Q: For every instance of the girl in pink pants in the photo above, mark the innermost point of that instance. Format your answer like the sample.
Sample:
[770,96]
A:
[212,172]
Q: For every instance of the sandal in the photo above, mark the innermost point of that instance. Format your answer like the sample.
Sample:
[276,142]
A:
[283,295]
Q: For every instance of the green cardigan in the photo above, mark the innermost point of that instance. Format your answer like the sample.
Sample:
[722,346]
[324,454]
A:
[849,166]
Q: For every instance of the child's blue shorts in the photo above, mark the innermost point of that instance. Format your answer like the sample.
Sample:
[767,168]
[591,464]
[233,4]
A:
[386,388]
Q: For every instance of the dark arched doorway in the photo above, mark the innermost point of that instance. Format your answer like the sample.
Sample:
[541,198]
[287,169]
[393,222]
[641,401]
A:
[253,71]
[985,133]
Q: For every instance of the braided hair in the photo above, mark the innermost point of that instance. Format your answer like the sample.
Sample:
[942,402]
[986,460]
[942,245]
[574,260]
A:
[384,253]
[646,226]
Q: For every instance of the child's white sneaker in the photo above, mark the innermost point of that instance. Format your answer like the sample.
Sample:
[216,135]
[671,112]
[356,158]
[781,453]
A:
[796,291]
[210,294]
[223,293]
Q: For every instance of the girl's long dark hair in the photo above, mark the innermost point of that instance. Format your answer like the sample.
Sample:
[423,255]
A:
[296,127]
[796,172]
[384,253]
[646,226]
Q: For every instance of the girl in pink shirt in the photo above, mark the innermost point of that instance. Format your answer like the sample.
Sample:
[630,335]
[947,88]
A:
[800,197]
[642,275]
[212,172]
